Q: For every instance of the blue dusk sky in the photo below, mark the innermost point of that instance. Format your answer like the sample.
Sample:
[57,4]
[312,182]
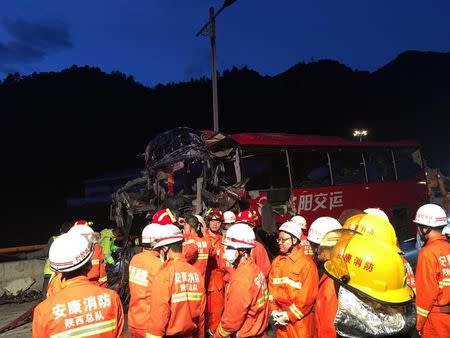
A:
[154,40]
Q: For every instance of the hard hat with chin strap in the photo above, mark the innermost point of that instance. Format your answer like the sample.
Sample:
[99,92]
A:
[168,234]
[431,215]
[69,252]
[320,227]
[239,236]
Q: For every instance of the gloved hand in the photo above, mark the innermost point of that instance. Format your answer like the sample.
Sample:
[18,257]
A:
[280,317]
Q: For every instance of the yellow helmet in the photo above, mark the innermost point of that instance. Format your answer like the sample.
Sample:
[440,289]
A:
[373,226]
[370,267]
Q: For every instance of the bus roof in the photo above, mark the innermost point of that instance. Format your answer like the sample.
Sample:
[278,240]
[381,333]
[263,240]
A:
[283,139]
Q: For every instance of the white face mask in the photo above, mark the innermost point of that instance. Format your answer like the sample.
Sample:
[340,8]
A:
[230,255]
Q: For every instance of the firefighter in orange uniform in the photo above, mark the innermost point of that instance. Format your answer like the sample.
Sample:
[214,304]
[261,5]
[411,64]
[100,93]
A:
[178,296]
[80,308]
[200,261]
[142,270]
[259,253]
[167,216]
[304,243]
[327,303]
[293,286]
[246,302]
[214,272]
[433,273]
[97,274]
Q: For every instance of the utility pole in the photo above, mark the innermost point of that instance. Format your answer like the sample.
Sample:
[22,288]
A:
[210,29]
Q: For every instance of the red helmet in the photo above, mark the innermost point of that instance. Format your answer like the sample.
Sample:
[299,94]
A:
[248,216]
[214,214]
[83,222]
[164,217]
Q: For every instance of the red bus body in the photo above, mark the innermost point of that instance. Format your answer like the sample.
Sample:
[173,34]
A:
[399,198]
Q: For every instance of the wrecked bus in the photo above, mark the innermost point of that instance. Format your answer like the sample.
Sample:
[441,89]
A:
[278,175]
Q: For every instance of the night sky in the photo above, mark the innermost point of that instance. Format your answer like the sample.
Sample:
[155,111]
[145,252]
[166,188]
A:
[154,41]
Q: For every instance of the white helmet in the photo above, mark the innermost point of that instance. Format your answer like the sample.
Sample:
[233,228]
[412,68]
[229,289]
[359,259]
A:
[201,220]
[239,236]
[229,217]
[431,215]
[292,228]
[320,227]
[300,221]
[377,212]
[168,234]
[69,252]
[150,233]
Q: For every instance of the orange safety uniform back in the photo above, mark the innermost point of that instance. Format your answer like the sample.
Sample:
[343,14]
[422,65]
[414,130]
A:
[178,301]
[261,258]
[246,312]
[97,274]
[293,287]
[204,249]
[142,269]
[79,309]
[326,307]
[433,288]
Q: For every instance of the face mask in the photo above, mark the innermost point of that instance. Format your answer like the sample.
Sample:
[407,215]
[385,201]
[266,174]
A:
[358,318]
[419,242]
[230,255]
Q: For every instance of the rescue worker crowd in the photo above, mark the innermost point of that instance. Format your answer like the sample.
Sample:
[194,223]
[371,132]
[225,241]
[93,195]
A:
[208,276]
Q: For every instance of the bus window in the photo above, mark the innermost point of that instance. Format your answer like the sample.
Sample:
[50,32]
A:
[379,165]
[348,167]
[309,169]
[408,162]
[227,173]
[266,170]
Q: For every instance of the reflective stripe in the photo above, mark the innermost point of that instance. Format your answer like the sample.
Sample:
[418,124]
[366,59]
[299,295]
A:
[288,281]
[296,311]
[224,333]
[444,282]
[422,312]
[308,252]
[202,256]
[103,279]
[95,261]
[185,296]
[271,297]
[140,281]
[149,335]
[88,330]
[191,241]
[262,300]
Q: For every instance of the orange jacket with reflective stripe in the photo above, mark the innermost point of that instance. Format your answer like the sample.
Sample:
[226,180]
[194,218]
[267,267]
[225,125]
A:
[204,248]
[79,309]
[97,274]
[261,258]
[246,303]
[432,279]
[190,249]
[326,307]
[178,301]
[214,272]
[142,269]
[293,287]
